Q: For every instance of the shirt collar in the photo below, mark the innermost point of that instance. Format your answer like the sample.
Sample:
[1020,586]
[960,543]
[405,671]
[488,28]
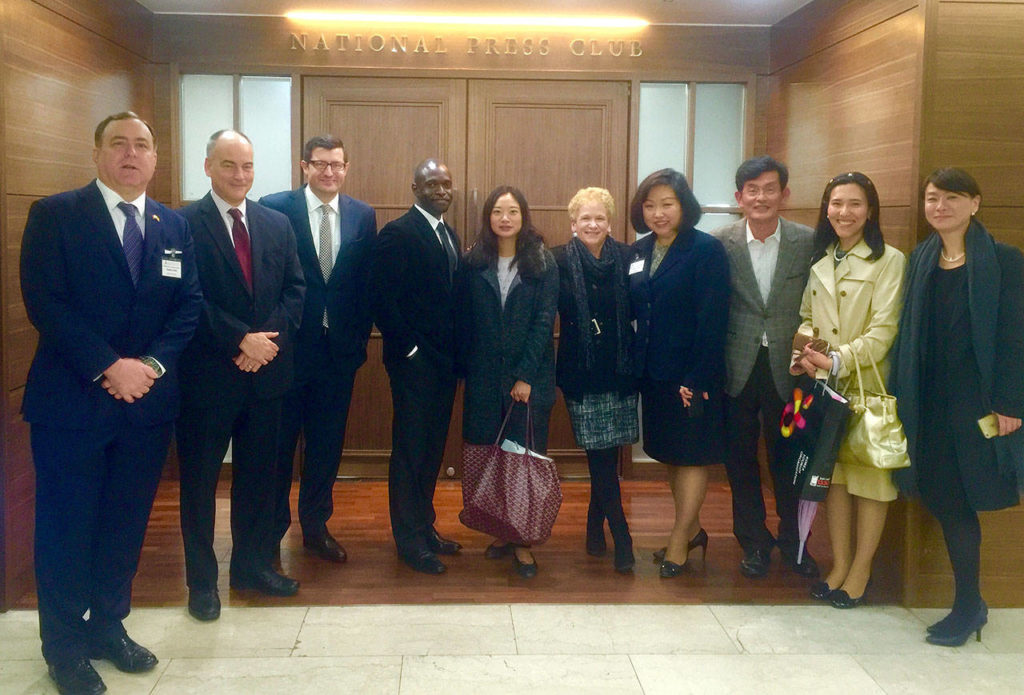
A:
[773,237]
[314,203]
[223,206]
[430,218]
[111,199]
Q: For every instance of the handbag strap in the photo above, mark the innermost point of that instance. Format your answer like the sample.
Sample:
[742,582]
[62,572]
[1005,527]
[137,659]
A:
[878,374]
[529,426]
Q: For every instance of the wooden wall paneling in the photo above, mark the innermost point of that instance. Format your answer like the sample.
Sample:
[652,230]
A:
[851,106]
[824,23]
[64,67]
[978,87]
[165,123]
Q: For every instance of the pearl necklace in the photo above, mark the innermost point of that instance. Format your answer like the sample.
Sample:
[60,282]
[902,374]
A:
[835,253]
[947,259]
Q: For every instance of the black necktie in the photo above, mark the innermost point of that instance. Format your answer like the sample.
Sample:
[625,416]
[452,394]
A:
[446,242]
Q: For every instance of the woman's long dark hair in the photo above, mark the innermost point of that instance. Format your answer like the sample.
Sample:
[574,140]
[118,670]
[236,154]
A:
[825,235]
[677,182]
[485,251]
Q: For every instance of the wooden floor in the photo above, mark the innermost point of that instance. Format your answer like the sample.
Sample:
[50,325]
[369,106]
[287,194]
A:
[374,575]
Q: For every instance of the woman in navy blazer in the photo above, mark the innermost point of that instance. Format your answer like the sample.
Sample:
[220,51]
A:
[679,284]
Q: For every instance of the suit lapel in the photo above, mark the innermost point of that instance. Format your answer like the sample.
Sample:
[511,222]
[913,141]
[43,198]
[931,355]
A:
[736,245]
[99,216]
[154,241]
[784,262]
[299,216]
[680,245]
[221,238]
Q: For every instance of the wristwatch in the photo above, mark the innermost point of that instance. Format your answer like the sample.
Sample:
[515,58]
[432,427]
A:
[153,364]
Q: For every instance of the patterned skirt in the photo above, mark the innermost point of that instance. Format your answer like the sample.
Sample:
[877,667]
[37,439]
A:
[604,420]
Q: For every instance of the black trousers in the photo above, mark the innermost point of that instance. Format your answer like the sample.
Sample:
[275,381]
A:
[251,425]
[755,412]
[319,409]
[422,393]
[94,492]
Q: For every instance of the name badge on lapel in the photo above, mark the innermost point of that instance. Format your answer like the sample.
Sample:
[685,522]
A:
[636,266]
[170,264]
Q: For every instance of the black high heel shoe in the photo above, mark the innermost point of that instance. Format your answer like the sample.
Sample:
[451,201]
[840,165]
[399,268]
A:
[840,599]
[700,539]
[526,570]
[957,635]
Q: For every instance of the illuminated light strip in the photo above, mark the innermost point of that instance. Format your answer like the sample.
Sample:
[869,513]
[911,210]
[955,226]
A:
[474,20]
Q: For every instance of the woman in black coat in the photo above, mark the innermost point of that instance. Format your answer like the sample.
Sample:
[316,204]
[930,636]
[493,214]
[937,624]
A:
[679,283]
[958,358]
[594,367]
[508,297]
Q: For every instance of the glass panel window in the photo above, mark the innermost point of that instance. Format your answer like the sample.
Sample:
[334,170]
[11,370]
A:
[266,117]
[663,127]
[207,105]
[718,143]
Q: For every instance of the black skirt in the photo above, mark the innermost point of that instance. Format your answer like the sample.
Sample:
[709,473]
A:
[672,436]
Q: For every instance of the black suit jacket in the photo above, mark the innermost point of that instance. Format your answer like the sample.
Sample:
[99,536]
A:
[412,291]
[79,295]
[230,310]
[345,294]
[682,311]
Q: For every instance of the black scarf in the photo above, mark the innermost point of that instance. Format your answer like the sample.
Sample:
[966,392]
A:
[583,266]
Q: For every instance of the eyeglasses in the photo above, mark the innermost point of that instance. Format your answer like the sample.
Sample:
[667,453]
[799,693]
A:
[321,166]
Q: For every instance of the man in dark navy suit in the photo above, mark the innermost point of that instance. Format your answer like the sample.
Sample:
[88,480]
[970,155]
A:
[109,280]
[234,374]
[334,234]
[414,268]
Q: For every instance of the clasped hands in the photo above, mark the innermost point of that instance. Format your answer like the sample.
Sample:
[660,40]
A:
[128,379]
[257,349]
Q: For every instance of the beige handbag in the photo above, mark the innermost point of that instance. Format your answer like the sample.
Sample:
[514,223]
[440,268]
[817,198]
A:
[874,435]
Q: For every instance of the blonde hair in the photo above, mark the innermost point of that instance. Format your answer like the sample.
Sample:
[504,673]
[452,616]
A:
[591,194]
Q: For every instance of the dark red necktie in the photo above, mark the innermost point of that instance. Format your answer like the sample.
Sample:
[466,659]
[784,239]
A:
[240,236]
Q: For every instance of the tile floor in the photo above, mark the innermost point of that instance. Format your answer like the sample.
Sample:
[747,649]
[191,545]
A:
[539,649]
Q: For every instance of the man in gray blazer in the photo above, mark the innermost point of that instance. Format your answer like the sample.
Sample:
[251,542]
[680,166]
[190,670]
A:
[769,259]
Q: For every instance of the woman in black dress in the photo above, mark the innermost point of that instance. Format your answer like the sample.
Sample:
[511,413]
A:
[507,313]
[959,357]
[594,367]
[679,284]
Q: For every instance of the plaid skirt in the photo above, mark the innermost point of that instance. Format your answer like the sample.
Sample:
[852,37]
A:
[604,420]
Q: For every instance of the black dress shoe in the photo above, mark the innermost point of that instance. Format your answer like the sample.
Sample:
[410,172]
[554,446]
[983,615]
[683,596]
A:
[440,545]
[840,599]
[266,581]
[424,561]
[204,604]
[125,653]
[755,563]
[498,550]
[807,567]
[325,547]
[821,591]
[526,570]
[76,677]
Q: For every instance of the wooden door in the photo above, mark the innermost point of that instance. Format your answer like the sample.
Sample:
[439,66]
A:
[388,126]
[548,138]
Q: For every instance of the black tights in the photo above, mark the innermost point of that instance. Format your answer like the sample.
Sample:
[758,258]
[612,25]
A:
[962,532]
[605,495]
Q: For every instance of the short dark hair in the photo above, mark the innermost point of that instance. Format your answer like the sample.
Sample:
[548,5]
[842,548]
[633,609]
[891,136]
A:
[825,234]
[953,180]
[677,182]
[327,142]
[755,166]
[485,250]
[97,137]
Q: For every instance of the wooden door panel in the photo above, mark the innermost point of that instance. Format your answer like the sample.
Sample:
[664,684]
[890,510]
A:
[549,139]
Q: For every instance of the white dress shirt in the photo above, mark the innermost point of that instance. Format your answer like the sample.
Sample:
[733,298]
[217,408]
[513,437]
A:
[222,207]
[313,209]
[111,199]
[764,255]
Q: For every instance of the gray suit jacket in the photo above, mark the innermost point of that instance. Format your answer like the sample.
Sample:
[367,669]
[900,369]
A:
[750,315]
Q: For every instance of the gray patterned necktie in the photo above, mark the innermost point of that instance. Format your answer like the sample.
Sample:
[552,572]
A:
[326,259]
[132,242]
